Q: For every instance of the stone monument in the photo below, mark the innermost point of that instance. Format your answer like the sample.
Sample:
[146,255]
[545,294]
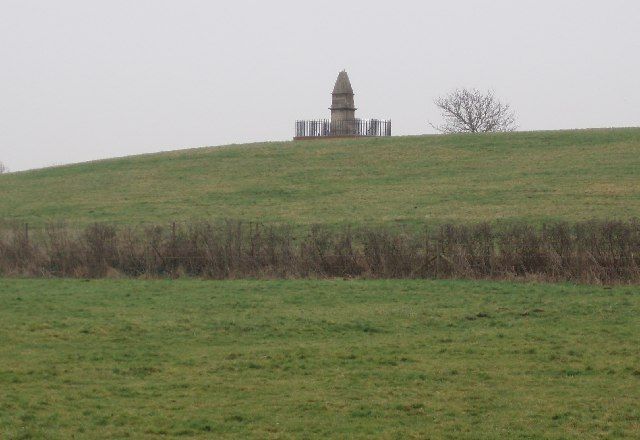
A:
[343,110]
[343,122]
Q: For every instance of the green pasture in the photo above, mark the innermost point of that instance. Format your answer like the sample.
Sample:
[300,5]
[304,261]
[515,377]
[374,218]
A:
[532,176]
[316,359]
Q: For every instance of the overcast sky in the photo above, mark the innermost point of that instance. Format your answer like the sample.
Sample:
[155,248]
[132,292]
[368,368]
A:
[89,79]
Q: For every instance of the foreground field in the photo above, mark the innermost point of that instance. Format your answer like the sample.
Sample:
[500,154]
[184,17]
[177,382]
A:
[278,359]
[567,175]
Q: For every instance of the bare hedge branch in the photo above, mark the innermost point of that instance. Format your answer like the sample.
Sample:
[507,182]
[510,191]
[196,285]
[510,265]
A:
[596,252]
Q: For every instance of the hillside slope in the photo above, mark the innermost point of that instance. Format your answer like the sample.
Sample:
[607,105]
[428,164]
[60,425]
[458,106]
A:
[534,176]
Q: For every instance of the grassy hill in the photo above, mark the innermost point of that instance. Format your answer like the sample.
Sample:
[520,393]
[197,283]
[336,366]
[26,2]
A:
[533,176]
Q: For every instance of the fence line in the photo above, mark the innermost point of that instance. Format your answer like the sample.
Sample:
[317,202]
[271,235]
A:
[349,127]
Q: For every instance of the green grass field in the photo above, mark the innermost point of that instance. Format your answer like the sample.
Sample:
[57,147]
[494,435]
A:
[568,175]
[312,359]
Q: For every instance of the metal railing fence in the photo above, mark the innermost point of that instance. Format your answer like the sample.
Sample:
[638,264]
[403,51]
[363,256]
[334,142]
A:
[349,127]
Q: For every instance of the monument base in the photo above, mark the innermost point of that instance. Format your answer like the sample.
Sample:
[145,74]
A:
[345,136]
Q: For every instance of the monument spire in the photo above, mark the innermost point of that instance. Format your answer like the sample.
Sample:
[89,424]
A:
[343,110]
[343,85]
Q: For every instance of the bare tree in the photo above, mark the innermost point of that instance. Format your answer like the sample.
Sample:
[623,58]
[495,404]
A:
[3,168]
[473,111]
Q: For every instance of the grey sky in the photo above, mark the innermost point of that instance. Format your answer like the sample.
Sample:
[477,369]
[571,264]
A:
[88,79]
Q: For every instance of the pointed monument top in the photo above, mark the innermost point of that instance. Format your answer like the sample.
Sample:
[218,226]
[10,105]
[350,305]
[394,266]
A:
[343,85]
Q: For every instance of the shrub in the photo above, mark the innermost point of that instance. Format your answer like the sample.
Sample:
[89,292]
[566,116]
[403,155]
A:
[591,252]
